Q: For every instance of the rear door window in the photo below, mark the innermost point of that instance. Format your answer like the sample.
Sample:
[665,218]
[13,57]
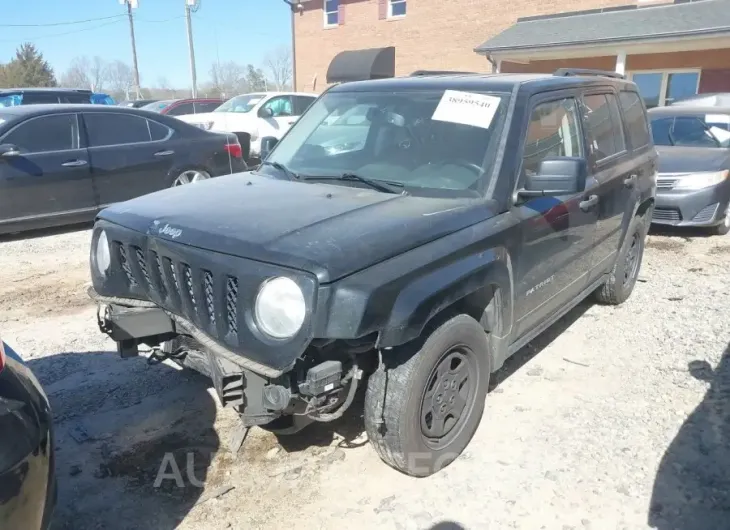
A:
[116,129]
[603,126]
[39,98]
[637,126]
[181,109]
[302,103]
[206,106]
[57,132]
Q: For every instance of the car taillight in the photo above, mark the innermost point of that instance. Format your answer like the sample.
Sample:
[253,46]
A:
[235,150]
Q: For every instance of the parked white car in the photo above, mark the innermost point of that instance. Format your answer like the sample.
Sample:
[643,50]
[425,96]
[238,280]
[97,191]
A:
[254,116]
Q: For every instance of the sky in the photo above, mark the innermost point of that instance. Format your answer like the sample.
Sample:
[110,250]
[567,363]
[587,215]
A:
[227,30]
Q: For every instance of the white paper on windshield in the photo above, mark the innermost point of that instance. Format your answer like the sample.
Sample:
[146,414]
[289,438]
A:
[466,108]
[721,134]
[717,118]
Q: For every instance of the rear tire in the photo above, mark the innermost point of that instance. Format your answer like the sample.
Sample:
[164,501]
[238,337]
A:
[621,281]
[423,408]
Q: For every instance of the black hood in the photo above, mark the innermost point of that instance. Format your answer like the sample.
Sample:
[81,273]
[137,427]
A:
[691,159]
[326,229]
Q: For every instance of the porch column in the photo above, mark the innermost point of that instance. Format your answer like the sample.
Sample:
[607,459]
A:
[621,62]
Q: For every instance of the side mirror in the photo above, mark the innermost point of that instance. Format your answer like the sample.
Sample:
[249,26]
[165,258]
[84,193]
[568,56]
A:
[267,145]
[556,176]
[8,150]
[266,112]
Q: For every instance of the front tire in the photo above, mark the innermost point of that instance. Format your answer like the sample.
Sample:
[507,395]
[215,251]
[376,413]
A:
[423,408]
[621,281]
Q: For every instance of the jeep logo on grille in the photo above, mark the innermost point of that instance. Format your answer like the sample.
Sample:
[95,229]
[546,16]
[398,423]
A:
[167,230]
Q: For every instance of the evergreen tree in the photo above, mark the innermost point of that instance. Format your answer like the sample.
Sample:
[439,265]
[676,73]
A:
[27,69]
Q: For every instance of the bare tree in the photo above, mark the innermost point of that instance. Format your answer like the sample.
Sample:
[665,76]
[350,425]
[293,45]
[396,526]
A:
[228,79]
[86,73]
[278,64]
[120,78]
[77,74]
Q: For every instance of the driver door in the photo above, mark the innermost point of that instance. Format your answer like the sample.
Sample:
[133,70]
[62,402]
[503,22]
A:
[557,233]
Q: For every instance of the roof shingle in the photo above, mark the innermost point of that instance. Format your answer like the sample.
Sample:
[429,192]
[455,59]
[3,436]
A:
[700,17]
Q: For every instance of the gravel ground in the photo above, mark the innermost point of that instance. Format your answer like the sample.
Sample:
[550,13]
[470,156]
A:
[615,418]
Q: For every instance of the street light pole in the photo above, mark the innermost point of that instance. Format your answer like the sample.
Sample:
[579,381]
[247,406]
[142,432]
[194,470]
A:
[133,4]
[191,5]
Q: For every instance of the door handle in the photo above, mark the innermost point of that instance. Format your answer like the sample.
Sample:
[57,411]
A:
[589,203]
[164,153]
[630,181]
[75,163]
[291,122]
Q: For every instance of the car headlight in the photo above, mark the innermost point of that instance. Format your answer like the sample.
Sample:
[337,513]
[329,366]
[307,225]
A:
[698,181]
[102,254]
[280,308]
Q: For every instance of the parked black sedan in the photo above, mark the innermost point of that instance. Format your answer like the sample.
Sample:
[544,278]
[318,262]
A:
[693,185]
[27,475]
[60,164]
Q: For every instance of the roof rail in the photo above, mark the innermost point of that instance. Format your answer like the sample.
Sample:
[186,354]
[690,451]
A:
[566,72]
[418,73]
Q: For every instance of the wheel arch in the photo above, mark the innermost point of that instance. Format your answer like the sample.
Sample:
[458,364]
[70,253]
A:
[484,292]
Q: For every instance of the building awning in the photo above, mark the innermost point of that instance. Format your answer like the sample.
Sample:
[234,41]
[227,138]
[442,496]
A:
[614,26]
[359,65]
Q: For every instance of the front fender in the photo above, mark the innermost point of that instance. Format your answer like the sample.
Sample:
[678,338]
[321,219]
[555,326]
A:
[397,298]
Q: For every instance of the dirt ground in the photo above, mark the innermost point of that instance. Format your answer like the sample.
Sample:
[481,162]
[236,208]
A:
[615,418]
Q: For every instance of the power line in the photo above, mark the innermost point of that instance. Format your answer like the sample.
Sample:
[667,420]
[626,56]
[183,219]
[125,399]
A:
[59,23]
[64,33]
[158,21]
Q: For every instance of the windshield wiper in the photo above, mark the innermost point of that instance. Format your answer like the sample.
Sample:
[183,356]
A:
[385,186]
[281,167]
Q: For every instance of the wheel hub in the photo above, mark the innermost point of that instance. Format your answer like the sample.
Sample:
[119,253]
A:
[447,394]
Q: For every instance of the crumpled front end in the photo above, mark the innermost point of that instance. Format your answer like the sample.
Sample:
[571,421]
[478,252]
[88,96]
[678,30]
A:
[154,288]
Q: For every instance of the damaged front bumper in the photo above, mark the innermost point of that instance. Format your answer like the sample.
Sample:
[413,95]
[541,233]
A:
[260,394]
[131,322]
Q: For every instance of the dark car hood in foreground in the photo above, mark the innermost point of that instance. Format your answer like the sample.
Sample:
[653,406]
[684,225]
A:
[329,230]
[691,159]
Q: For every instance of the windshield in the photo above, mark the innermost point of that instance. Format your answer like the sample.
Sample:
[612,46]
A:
[240,103]
[158,106]
[689,130]
[432,143]
[11,100]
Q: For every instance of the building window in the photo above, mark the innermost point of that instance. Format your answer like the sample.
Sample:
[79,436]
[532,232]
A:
[659,88]
[396,8]
[331,12]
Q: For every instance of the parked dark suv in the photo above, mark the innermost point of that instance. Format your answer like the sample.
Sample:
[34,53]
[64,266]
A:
[472,213]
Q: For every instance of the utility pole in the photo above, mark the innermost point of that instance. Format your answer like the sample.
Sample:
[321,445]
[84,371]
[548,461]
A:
[191,5]
[130,5]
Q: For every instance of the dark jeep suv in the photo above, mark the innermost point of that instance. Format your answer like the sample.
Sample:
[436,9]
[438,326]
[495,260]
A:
[409,234]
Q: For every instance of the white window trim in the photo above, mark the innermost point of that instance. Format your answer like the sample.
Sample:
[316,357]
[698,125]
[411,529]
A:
[325,13]
[390,8]
[665,79]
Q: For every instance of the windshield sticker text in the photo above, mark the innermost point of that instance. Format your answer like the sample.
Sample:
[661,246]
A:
[167,230]
[466,108]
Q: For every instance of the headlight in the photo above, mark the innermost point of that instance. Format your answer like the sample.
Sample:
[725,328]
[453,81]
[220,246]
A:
[697,181]
[101,252]
[280,308]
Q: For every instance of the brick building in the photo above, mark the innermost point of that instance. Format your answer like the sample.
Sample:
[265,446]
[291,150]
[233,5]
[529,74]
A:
[670,49]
